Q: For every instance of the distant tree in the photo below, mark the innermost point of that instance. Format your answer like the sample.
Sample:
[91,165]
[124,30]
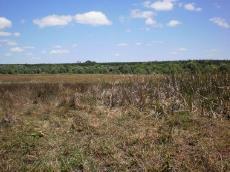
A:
[90,62]
[120,68]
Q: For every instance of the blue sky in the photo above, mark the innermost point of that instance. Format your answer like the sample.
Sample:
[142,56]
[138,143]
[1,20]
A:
[63,31]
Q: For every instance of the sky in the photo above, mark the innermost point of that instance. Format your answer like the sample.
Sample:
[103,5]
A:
[69,31]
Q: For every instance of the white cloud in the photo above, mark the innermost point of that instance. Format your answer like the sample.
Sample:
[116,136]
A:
[147,4]
[29,47]
[141,14]
[147,15]
[150,22]
[179,51]
[214,50]
[53,20]
[94,18]
[220,22]
[123,44]
[174,23]
[2,33]
[162,5]
[17,50]
[5,33]
[8,43]
[192,7]
[5,23]
[59,51]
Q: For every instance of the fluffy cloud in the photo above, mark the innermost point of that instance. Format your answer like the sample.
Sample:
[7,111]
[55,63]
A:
[5,23]
[59,51]
[161,5]
[53,20]
[94,18]
[5,33]
[2,33]
[220,22]
[192,7]
[17,50]
[150,21]
[147,15]
[174,23]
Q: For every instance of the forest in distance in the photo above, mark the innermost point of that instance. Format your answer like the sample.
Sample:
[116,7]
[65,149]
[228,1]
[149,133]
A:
[91,67]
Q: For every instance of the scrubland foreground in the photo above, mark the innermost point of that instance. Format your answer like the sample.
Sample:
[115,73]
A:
[167,123]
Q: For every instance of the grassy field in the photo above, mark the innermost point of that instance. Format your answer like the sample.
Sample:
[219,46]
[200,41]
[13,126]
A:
[115,122]
[71,78]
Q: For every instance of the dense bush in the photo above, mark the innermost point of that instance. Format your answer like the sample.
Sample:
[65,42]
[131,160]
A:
[119,68]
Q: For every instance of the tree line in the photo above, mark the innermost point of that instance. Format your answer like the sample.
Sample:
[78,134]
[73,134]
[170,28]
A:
[90,67]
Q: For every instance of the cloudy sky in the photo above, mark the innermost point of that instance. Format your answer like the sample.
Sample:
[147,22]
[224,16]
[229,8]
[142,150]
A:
[56,31]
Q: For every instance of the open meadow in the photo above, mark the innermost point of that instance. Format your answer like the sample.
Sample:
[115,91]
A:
[115,122]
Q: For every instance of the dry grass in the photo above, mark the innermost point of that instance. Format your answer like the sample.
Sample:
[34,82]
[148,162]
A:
[67,78]
[101,123]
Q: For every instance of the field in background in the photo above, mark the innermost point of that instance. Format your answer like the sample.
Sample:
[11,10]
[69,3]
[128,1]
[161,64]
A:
[67,78]
[115,122]
[59,78]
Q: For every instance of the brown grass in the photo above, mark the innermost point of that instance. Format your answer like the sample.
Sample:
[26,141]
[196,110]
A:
[68,78]
[114,123]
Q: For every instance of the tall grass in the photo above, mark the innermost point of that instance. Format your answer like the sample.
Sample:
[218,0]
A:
[203,94]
